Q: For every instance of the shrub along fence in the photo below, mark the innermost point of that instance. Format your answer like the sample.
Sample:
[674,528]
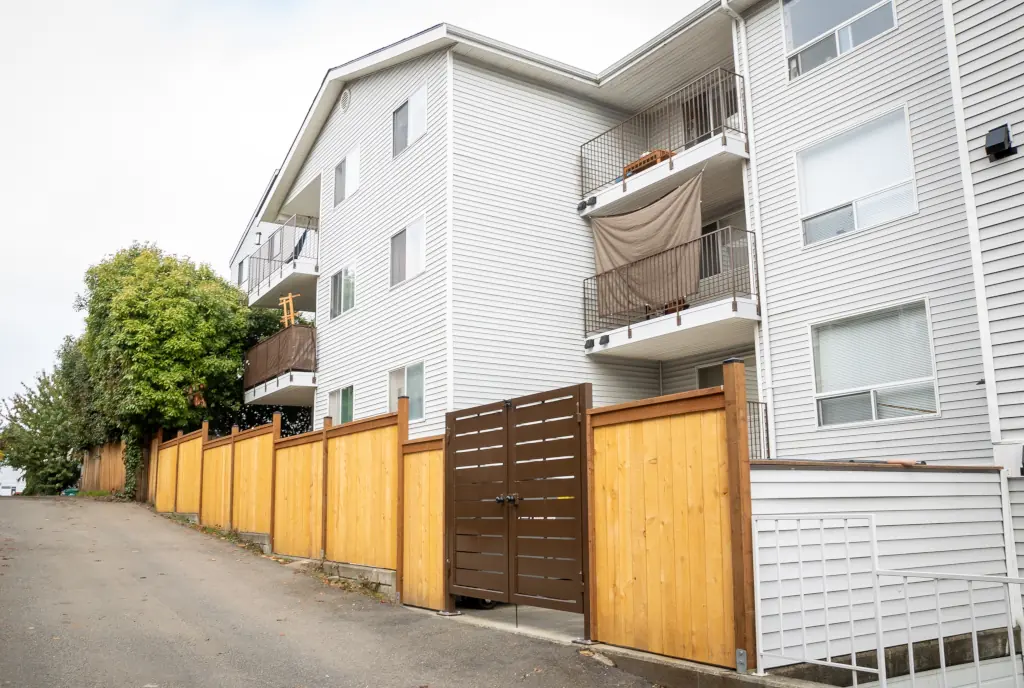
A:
[335,494]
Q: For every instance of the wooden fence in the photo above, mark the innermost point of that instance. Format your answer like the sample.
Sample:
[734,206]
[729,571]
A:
[669,524]
[103,468]
[335,494]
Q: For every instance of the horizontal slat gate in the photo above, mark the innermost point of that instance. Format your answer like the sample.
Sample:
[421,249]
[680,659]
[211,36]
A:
[516,511]
[478,541]
[546,483]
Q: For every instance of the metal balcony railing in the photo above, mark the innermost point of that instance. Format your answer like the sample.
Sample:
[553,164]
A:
[707,106]
[292,349]
[718,265]
[757,430]
[296,238]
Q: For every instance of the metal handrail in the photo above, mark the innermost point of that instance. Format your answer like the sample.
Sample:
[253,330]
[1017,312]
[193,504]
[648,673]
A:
[718,265]
[296,238]
[710,104]
[757,430]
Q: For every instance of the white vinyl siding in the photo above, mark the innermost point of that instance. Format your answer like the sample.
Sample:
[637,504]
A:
[1016,490]
[389,327]
[949,522]
[990,53]
[926,255]
[521,251]
[874,366]
[858,179]
[818,32]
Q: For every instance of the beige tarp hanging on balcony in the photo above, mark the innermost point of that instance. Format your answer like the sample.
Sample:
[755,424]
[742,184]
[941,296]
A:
[662,279]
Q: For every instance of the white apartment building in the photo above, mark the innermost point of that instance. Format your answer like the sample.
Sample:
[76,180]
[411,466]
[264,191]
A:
[853,240]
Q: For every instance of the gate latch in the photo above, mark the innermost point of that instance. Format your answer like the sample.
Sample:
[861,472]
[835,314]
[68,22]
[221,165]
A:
[500,499]
[512,499]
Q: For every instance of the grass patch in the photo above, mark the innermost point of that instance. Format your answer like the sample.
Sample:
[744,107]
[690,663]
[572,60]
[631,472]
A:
[232,536]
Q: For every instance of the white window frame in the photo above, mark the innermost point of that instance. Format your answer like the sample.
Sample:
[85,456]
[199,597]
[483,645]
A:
[872,388]
[330,292]
[861,121]
[704,366]
[410,139]
[423,257]
[341,400]
[405,384]
[835,30]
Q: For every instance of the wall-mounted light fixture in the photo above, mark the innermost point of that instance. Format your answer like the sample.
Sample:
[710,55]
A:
[604,339]
[581,206]
[589,344]
[998,143]
[592,201]
[258,234]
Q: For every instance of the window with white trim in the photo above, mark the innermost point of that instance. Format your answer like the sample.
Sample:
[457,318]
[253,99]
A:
[710,376]
[408,382]
[818,31]
[409,121]
[875,366]
[340,403]
[408,251]
[346,176]
[343,291]
[859,179]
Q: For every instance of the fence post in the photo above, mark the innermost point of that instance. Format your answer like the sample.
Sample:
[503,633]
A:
[156,480]
[177,467]
[231,481]
[738,452]
[403,437]
[587,455]
[273,476]
[328,424]
[202,460]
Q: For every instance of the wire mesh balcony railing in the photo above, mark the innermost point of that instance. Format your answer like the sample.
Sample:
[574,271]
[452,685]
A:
[716,266]
[297,238]
[707,106]
[292,349]
[757,430]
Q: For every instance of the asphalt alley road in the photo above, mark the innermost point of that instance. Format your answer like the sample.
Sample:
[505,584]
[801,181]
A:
[103,594]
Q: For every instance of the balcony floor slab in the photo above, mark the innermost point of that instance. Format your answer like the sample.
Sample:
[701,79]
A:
[290,389]
[297,277]
[702,329]
[721,158]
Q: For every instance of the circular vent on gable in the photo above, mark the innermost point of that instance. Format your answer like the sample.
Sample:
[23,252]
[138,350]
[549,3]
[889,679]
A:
[346,100]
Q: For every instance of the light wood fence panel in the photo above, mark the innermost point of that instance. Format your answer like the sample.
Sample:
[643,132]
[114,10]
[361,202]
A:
[252,481]
[167,473]
[423,541]
[362,493]
[190,460]
[299,492]
[103,468]
[216,509]
[154,454]
[670,525]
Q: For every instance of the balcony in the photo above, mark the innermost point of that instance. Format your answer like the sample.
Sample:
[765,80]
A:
[287,262]
[700,127]
[281,370]
[695,298]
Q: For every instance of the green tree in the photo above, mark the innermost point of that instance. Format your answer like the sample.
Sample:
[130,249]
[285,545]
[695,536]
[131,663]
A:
[38,437]
[163,343]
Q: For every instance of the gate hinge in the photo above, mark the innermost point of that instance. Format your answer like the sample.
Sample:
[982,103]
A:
[579,416]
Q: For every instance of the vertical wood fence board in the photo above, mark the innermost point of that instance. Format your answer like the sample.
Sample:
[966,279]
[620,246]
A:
[105,472]
[663,553]
[299,500]
[154,454]
[423,544]
[189,478]
[251,509]
[167,472]
[362,505]
[216,487]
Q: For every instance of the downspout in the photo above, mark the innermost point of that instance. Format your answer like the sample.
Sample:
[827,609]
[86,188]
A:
[753,202]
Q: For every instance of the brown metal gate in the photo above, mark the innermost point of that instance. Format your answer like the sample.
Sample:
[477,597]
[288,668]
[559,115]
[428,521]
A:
[516,509]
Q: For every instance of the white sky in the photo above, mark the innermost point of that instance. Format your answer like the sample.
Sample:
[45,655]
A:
[162,121]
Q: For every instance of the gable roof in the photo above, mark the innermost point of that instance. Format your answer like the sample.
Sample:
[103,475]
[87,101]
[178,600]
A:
[628,84]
